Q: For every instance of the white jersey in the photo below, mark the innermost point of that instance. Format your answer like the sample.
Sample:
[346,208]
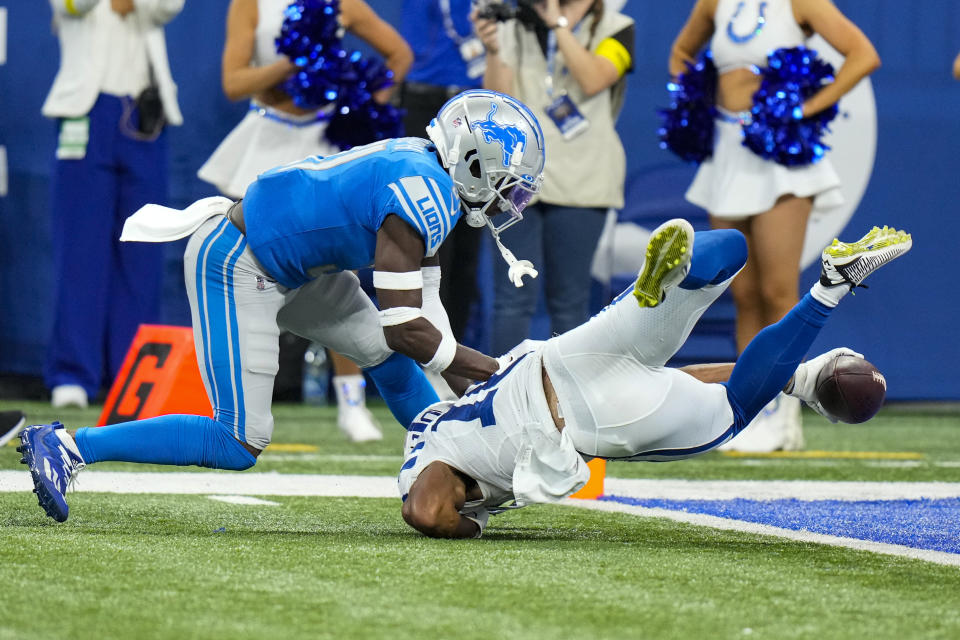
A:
[617,399]
[501,434]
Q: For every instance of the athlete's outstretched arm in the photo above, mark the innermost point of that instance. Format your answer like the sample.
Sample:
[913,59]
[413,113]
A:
[399,253]
[434,501]
[716,372]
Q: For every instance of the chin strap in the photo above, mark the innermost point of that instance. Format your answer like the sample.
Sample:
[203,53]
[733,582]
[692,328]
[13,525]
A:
[517,268]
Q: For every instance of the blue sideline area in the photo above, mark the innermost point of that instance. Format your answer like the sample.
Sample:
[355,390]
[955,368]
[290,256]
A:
[923,524]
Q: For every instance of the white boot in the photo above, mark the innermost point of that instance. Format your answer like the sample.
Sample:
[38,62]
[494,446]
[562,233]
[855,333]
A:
[778,427]
[353,417]
[68,395]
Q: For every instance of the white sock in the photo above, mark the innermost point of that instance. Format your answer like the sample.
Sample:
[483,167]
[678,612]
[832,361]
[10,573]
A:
[350,390]
[829,296]
[68,442]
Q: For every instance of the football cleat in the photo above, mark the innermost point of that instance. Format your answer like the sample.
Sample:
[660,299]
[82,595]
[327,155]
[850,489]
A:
[54,461]
[850,263]
[667,262]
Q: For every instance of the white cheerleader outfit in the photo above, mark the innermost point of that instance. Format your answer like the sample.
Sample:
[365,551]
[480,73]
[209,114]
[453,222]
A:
[266,137]
[735,183]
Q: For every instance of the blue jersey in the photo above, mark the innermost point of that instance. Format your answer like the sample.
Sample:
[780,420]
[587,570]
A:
[321,215]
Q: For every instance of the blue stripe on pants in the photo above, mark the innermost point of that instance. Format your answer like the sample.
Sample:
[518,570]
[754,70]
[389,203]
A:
[219,324]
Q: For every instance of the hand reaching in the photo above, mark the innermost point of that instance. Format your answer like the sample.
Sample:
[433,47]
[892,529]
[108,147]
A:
[805,378]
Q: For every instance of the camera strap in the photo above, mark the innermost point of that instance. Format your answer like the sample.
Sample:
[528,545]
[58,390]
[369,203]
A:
[560,108]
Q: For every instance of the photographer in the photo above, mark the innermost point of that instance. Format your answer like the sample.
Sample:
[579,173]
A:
[566,59]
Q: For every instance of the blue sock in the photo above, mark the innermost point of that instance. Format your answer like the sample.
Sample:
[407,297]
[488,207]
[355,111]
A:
[403,386]
[176,439]
[717,255]
[772,357]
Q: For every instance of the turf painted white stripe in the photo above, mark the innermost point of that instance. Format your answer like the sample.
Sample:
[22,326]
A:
[277,484]
[257,484]
[244,500]
[288,484]
[777,490]
[938,557]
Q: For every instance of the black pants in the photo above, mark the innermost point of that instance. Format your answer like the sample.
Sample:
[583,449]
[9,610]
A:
[458,253]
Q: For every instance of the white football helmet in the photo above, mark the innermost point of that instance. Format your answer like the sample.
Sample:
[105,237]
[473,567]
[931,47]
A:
[492,146]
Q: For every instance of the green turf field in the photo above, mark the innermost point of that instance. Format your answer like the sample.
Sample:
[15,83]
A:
[155,566]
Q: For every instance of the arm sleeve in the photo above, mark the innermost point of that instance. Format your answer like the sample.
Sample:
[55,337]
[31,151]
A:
[432,308]
[618,49]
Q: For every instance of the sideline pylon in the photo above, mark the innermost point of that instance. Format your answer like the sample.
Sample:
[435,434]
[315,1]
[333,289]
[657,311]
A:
[594,487]
[159,376]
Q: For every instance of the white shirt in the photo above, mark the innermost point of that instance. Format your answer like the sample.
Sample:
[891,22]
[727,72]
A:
[103,52]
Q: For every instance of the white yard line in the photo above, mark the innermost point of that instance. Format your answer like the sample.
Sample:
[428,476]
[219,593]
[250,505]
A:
[234,486]
[290,484]
[201,483]
[938,557]
[244,500]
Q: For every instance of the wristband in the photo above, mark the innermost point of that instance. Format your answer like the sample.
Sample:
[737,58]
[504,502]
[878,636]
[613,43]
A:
[446,352]
[398,281]
[393,316]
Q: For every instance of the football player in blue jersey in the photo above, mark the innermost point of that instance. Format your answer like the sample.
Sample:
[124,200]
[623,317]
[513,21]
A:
[281,258]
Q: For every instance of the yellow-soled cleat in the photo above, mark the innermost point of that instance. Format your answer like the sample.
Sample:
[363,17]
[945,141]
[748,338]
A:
[851,262]
[666,263]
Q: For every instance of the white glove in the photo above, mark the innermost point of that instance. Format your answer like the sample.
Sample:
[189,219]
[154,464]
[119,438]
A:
[514,354]
[805,379]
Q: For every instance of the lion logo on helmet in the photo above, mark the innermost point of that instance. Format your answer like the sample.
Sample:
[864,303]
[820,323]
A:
[510,137]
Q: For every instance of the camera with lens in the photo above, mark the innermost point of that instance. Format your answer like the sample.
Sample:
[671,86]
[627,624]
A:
[503,10]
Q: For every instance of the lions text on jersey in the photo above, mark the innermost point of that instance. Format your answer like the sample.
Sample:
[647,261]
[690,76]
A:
[321,215]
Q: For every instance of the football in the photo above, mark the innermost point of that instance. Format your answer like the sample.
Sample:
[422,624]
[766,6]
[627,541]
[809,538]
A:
[851,389]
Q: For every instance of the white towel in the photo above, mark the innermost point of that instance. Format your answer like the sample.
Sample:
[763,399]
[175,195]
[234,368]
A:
[154,223]
[548,468]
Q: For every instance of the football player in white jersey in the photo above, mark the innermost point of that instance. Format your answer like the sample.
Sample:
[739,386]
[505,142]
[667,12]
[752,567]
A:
[602,390]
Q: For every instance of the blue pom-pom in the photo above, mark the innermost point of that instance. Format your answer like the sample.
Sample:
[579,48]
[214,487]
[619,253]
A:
[357,118]
[687,126]
[310,37]
[330,75]
[350,127]
[777,130]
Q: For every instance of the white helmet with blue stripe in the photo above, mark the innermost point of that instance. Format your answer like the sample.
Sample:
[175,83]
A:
[492,146]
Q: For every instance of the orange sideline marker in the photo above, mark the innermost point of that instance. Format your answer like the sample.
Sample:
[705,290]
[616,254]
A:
[594,487]
[159,376]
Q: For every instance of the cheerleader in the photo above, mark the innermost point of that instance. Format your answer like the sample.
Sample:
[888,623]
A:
[275,131]
[768,202]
